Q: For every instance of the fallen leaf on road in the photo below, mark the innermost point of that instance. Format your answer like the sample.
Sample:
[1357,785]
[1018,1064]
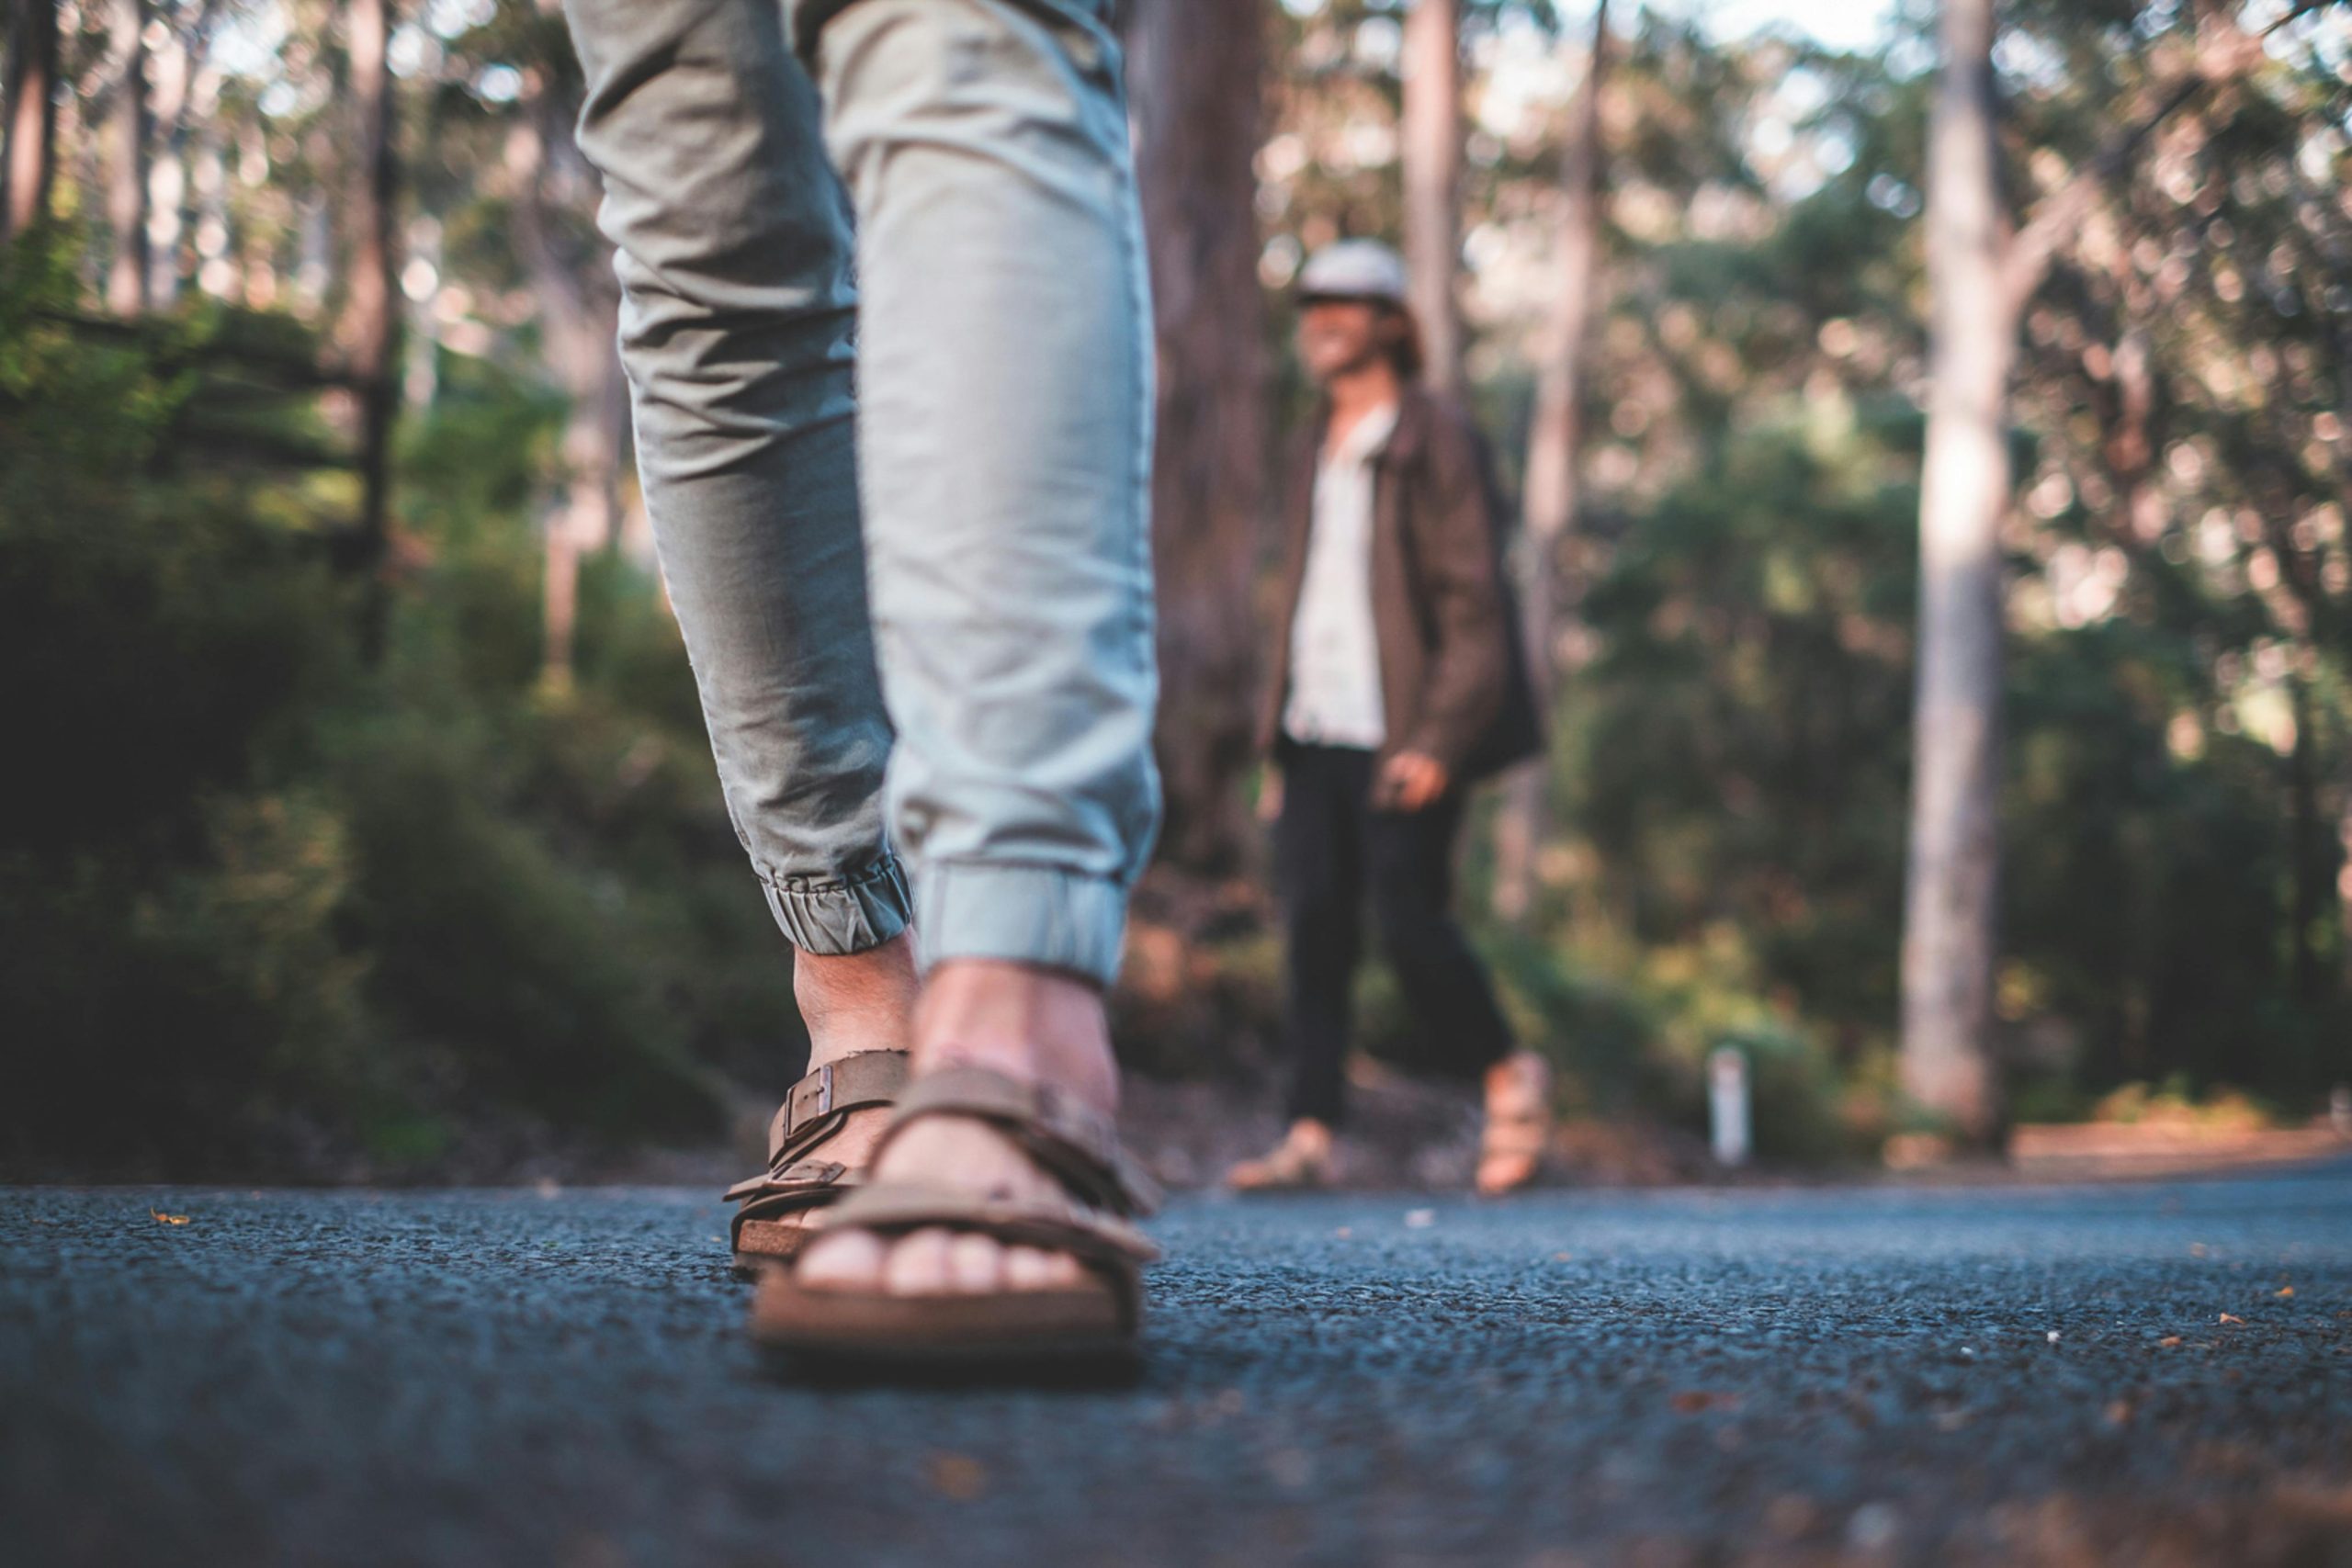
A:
[2286,1289]
[1690,1402]
[2169,1340]
[1562,1257]
[168,1218]
[2119,1413]
[2232,1317]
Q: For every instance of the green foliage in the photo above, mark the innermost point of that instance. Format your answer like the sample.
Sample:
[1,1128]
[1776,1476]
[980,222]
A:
[262,909]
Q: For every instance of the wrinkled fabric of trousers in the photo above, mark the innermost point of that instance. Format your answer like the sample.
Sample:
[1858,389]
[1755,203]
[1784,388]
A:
[886,330]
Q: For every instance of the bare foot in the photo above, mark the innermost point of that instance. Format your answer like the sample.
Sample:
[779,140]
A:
[860,1001]
[1027,1023]
[1519,1123]
[1302,1160]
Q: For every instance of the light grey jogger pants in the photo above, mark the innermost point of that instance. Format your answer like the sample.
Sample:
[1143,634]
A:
[993,389]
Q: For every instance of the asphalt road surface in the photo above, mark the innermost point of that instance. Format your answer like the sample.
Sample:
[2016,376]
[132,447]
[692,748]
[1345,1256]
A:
[2135,1375]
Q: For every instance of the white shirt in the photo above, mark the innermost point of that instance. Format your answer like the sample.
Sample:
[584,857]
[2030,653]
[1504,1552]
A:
[1334,697]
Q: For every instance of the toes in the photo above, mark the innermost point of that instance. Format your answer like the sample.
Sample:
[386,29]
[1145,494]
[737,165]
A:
[848,1261]
[919,1265]
[975,1265]
[1505,1173]
[1035,1269]
[1028,1268]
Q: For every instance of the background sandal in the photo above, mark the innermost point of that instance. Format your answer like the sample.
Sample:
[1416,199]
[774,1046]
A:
[778,1205]
[1102,1190]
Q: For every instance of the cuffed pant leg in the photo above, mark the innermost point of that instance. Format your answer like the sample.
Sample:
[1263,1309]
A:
[734,245]
[1006,385]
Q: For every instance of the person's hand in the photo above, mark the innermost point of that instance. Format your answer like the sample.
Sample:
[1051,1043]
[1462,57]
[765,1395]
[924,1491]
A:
[1270,793]
[1409,781]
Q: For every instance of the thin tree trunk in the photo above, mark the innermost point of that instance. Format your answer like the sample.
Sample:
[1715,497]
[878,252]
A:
[373,303]
[31,170]
[1555,441]
[127,171]
[216,272]
[586,520]
[2308,854]
[421,379]
[1432,159]
[579,322]
[1197,75]
[1950,917]
[167,181]
[2344,872]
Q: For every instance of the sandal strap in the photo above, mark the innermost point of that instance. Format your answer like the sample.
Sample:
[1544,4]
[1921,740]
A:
[821,1103]
[814,1109]
[799,1178]
[1072,1142]
[1085,1232]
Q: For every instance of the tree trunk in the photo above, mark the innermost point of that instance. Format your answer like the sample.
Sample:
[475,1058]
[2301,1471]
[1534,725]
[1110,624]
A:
[167,184]
[1554,440]
[373,303]
[1196,73]
[2310,857]
[579,317]
[127,171]
[1950,915]
[1432,158]
[32,167]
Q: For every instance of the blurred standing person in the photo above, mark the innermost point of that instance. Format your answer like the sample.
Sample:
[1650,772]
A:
[1396,684]
[984,629]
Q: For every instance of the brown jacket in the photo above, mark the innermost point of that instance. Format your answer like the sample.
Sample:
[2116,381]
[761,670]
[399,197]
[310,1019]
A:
[1453,680]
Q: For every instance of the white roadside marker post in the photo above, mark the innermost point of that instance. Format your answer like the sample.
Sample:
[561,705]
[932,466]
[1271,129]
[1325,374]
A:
[1727,1104]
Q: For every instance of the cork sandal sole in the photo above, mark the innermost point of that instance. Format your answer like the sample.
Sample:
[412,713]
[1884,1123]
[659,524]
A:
[863,1329]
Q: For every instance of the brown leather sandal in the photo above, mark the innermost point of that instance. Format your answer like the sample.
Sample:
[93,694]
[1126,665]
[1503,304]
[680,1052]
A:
[1104,1191]
[779,1206]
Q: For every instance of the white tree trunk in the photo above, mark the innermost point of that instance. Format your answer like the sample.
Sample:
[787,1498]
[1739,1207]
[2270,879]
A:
[127,159]
[1432,160]
[167,181]
[1555,438]
[578,317]
[1950,915]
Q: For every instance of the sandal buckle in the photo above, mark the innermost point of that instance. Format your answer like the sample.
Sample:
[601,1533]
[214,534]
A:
[812,1100]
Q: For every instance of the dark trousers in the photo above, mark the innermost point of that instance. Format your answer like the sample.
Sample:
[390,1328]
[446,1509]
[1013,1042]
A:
[1332,849]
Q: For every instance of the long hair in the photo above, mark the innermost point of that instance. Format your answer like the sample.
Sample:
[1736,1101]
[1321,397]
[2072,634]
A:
[1404,352]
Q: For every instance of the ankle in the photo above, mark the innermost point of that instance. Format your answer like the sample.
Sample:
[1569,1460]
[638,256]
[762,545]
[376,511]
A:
[1513,1076]
[857,1002]
[1034,1023]
[1309,1136]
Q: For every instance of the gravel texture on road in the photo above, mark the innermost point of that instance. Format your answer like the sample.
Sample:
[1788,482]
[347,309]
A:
[2133,1375]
